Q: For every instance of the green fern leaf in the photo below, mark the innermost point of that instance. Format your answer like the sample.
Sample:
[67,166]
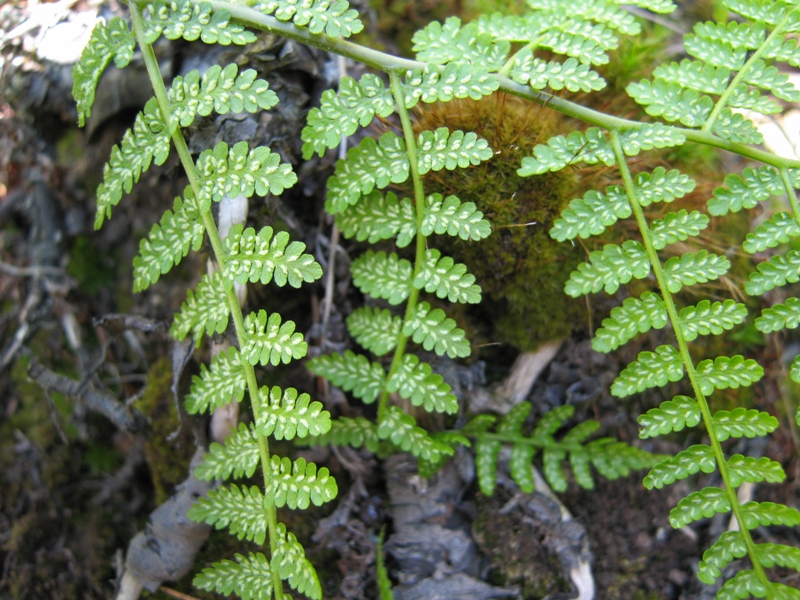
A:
[727,372]
[648,136]
[383,275]
[250,578]
[677,227]
[177,19]
[754,470]
[738,35]
[435,331]
[745,190]
[290,561]
[688,462]
[770,79]
[478,425]
[447,279]
[369,165]
[671,415]
[775,272]
[552,470]
[782,49]
[779,555]
[779,229]
[551,422]
[591,214]
[241,510]
[454,81]
[540,74]
[614,459]
[240,457]
[692,268]
[780,316]
[255,257]
[743,422]
[662,186]
[702,503]
[340,114]
[375,329]
[656,6]
[519,464]
[204,311]
[146,142]
[751,99]
[757,10]
[717,53]
[580,461]
[351,372]
[224,383]
[333,17]
[742,585]
[443,149]
[456,218]
[486,454]
[784,592]
[706,318]
[511,423]
[381,572]
[794,374]
[440,44]
[219,90]
[298,484]
[415,381]
[735,128]
[609,268]
[583,41]
[402,430]
[695,75]
[169,241]
[634,316]
[672,102]
[375,217]
[109,41]
[765,514]
[269,341]
[237,170]
[728,547]
[651,369]
[358,433]
[591,147]
[285,415]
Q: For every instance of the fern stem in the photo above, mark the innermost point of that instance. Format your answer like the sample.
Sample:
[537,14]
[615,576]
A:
[790,193]
[419,259]
[723,99]
[210,225]
[686,358]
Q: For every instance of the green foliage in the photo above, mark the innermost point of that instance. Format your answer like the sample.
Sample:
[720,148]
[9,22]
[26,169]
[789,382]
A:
[334,17]
[286,415]
[223,383]
[205,310]
[270,341]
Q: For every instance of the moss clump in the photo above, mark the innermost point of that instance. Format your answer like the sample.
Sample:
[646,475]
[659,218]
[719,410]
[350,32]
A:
[521,269]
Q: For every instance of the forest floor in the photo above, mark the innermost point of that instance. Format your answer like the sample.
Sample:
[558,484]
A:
[75,486]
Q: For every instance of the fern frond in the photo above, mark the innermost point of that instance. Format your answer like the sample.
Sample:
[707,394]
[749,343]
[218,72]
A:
[662,186]
[614,459]
[651,369]
[695,75]
[113,40]
[298,484]
[416,381]
[695,458]
[250,577]
[358,433]
[727,372]
[443,149]
[636,315]
[732,126]
[442,276]
[672,102]
[435,331]
[269,341]
[778,229]
[783,49]
[706,318]
[340,114]
[487,452]
[692,268]
[241,510]
[375,329]
[742,585]
[440,44]
[591,214]
[402,430]
[609,268]
[677,227]
[177,19]
[169,241]
[240,457]
[743,422]
[728,547]
[540,74]
[779,317]
[765,514]
[352,373]
[454,81]
[225,382]
[285,414]
[754,470]
[648,136]
[702,503]
[375,217]
[369,165]
[745,190]
[238,170]
[453,217]
[775,272]
[333,17]
[590,147]
[292,565]
[383,275]
[255,257]
[717,53]
[770,79]
[205,310]
[772,555]
[751,99]
[671,415]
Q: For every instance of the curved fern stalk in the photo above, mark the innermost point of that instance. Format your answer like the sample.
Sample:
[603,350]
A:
[612,459]
[244,255]
[613,266]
